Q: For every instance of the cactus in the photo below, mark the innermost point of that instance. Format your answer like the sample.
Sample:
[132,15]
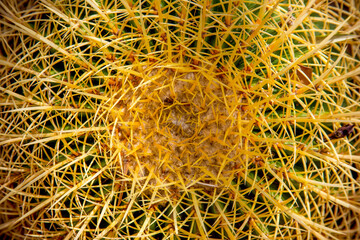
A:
[157,119]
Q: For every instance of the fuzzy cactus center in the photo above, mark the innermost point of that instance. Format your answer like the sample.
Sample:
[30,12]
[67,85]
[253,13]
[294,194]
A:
[180,128]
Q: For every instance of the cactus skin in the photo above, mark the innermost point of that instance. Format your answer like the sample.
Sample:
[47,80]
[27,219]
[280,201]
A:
[179,119]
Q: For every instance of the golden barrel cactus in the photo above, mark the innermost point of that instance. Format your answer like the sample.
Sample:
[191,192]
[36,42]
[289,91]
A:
[156,119]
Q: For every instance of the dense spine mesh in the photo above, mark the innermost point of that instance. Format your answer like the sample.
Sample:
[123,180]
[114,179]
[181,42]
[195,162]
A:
[179,119]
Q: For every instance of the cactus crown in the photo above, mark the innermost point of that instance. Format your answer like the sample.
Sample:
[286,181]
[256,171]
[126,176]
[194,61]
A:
[180,119]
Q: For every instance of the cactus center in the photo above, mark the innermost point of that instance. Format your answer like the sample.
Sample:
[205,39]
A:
[180,129]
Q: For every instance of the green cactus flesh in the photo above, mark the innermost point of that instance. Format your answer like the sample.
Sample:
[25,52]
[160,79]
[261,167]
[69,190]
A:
[179,119]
